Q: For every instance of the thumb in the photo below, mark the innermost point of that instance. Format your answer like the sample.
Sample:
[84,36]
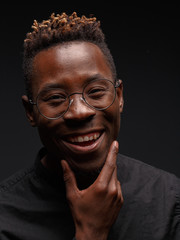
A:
[69,179]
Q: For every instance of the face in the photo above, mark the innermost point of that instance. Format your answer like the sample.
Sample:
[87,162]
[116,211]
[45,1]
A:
[69,67]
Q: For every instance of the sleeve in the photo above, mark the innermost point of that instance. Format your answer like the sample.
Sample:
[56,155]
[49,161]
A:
[176,216]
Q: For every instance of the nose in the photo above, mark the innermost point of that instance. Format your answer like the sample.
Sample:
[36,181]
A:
[78,109]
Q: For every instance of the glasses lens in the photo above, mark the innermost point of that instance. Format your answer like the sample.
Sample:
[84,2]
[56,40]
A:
[52,103]
[99,94]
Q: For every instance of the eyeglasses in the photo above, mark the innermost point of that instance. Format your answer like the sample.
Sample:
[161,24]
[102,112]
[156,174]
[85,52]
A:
[98,94]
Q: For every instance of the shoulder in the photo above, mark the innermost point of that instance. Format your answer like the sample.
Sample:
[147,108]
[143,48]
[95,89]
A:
[133,166]
[22,177]
[17,180]
[150,195]
[15,196]
[138,175]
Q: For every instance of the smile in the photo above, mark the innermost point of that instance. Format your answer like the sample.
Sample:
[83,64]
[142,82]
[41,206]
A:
[82,139]
[84,142]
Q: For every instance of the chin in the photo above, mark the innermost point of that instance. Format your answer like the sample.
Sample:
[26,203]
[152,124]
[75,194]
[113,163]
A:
[87,163]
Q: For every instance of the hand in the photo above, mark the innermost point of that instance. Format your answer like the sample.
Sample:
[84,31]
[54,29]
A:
[95,208]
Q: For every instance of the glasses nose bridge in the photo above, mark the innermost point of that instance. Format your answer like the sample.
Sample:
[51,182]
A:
[71,99]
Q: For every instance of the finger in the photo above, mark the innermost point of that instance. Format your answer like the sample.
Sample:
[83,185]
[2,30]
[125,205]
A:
[113,183]
[69,179]
[110,164]
[120,196]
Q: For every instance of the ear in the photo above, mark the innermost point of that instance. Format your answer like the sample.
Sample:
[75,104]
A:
[119,90]
[29,110]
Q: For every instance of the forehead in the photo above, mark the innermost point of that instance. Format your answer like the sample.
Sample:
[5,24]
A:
[69,64]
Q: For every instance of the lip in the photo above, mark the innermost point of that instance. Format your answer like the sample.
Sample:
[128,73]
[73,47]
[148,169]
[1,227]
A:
[87,148]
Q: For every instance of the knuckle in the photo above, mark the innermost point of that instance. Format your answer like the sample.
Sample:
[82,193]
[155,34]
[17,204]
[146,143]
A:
[71,196]
[115,150]
[101,188]
[120,200]
[113,192]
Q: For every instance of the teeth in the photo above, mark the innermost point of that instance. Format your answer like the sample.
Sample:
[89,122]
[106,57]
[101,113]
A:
[80,139]
[85,138]
[91,138]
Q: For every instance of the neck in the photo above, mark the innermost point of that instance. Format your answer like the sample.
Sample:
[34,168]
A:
[85,178]
[52,164]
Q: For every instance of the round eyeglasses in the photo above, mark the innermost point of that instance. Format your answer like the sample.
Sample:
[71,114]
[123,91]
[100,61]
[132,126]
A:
[98,94]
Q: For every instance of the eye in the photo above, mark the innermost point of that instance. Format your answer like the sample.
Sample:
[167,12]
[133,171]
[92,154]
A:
[53,99]
[96,92]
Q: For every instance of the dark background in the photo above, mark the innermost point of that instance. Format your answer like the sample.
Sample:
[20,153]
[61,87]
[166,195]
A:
[144,40]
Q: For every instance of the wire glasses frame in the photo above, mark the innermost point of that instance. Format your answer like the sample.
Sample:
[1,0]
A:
[98,97]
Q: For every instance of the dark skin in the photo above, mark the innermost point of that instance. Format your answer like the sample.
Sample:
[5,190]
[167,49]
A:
[95,199]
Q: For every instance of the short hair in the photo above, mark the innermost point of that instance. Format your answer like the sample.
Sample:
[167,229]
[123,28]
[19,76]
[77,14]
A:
[62,29]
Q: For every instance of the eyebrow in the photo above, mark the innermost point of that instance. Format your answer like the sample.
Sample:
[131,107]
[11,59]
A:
[50,86]
[94,77]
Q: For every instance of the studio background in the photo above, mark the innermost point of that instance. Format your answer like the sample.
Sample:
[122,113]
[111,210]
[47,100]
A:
[144,41]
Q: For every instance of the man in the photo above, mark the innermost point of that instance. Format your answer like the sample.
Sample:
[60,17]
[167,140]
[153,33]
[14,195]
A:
[79,186]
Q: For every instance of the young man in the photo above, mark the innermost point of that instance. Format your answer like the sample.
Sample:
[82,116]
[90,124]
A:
[79,186]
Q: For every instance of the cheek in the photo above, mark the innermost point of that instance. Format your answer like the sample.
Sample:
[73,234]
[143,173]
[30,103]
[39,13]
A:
[113,118]
[47,131]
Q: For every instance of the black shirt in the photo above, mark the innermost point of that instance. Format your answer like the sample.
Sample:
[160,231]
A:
[33,204]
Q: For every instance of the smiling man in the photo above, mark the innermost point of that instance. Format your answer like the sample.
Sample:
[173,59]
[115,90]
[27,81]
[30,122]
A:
[77,105]
[80,186]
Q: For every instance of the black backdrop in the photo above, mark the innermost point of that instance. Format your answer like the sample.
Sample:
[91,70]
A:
[144,41]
